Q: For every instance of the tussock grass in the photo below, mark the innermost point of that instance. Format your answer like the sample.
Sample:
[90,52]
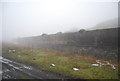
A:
[42,58]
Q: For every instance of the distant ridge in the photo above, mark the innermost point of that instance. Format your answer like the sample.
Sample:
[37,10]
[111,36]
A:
[113,23]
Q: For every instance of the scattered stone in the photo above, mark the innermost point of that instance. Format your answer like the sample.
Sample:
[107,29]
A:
[13,51]
[52,65]
[113,67]
[107,62]
[104,63]
[75,69]
[10,51]
[95,64]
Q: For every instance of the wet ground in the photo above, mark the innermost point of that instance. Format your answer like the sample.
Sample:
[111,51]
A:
[15,70]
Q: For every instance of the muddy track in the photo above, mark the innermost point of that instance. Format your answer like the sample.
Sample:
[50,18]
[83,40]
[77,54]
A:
[15,70]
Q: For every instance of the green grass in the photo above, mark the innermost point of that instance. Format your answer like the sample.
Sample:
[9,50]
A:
[43,58]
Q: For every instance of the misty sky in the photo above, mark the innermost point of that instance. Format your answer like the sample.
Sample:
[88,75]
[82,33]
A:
[22,19]
[0,21]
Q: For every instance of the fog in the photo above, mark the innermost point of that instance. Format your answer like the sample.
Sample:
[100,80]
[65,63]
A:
[23,19]
[0,22]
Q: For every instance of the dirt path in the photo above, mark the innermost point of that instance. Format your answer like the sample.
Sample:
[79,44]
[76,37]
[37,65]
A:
[15,70]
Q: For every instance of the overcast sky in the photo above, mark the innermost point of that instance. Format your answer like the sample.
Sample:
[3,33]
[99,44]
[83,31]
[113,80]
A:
[22,19]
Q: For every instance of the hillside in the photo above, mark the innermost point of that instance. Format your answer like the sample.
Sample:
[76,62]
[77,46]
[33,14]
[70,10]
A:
[100,43]
[40,63]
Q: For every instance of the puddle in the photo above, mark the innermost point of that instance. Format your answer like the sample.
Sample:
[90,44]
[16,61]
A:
[1,57]
[6,70]
[1,72]
[22,68]
[12,63]
[27,67]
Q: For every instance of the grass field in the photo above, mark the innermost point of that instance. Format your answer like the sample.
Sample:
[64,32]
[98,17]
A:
[64,62]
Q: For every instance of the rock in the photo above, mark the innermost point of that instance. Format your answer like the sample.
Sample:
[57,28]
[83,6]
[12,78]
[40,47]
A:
[113,67]
[107,62]
[95,64]
[52,65]
[9,51]
[75,69]
[13,51]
